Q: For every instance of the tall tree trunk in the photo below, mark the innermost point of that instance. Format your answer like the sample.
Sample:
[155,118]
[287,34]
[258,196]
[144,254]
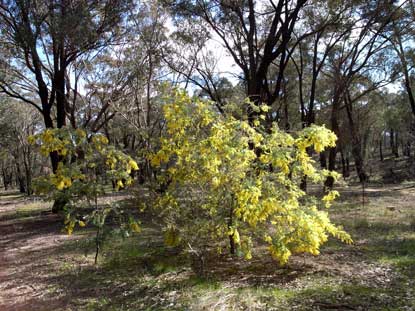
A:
[334,123]
[399,48]
[28,172]
[232,246]
[381,149]
[408,148]
[54,157]
[348,166]
[357,151]
[365,143]
[58,204]
[331,166]
[392,140]
[343,159]
[20,179]
[60,99]
[396,145]
[5,178]
[359,163]
[323,159]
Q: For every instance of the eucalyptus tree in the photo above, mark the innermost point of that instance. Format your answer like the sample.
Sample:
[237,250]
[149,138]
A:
[401,36]
[18,157]
[356,68]
[41,39]
[196,61]
[130,80]
[257,35]
[328,26]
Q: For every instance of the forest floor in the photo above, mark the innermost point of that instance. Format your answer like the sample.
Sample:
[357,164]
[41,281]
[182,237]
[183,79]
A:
[42,268]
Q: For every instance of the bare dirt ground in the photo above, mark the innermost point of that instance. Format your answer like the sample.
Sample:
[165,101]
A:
[30,241]
[29,236]
[37,272]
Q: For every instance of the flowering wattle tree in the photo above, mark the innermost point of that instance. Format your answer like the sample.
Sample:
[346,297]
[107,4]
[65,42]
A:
[87,163]
[232,183]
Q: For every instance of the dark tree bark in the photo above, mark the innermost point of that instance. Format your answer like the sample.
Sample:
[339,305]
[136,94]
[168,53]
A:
[394,143]
[381,149]
[334,124]
[323,159]
[356,147]
[398,46]
[20,179]
[7,177]
[348,166]
[407,149]
[232,246]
